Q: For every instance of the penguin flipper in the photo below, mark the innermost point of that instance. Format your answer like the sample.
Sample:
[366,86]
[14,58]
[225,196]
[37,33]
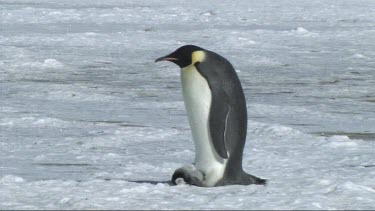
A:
[219,110]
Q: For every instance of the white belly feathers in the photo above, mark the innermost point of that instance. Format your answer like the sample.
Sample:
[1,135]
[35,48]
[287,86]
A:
[197,98]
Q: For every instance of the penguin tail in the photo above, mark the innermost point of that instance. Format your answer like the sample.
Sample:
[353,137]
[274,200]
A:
[260,181]
[256,180]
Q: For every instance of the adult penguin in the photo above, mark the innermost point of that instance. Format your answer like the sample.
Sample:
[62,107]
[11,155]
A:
[216,108]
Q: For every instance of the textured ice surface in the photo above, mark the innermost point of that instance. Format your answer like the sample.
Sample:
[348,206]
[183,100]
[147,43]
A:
[89,121]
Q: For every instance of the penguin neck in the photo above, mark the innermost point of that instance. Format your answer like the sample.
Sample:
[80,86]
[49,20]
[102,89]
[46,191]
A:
[198,56]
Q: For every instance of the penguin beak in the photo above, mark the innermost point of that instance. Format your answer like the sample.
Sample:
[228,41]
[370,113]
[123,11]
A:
[166,58]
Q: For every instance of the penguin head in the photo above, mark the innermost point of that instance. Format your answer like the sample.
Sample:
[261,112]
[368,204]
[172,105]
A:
[182,57]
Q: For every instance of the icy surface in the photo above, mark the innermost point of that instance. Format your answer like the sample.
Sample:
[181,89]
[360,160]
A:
[89,121]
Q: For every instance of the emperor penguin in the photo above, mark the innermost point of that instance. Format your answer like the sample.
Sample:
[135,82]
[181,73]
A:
[216,107]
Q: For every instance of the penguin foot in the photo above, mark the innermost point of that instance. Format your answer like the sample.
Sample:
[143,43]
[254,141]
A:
[188,175]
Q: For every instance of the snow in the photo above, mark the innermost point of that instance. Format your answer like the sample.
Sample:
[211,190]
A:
[89,121]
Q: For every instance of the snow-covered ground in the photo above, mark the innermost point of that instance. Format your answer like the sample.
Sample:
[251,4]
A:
[89,121]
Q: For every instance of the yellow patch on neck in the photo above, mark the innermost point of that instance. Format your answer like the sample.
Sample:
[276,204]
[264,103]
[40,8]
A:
[198,56]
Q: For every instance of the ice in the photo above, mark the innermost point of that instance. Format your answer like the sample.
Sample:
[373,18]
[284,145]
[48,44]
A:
[359,56]
[52,63]
[10,179]
[341,141]
[89,121]
[301,30]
